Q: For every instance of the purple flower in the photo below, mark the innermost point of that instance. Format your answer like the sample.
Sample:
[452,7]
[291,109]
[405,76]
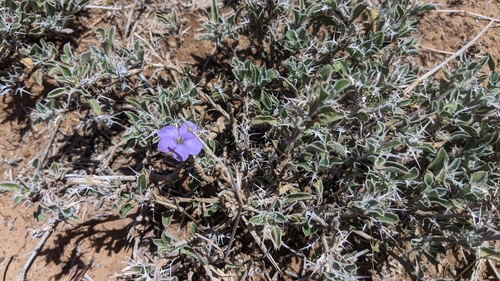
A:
[179,141]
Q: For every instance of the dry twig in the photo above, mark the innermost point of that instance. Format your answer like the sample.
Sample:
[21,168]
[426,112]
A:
[22,274]
[51,141]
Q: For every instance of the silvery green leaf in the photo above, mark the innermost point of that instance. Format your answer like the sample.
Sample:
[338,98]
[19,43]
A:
[316,146]
[319,191]
[265,119]
[478,177]
[40,215]
[388,217]
[340,85]
[338,149]
[293,197]
[95,106]
[10,186]
[57,92]
[437,164]
[276,234]
[166,217]
[257,220]
[488,253]
[125,208]
[394,167]
[141,183]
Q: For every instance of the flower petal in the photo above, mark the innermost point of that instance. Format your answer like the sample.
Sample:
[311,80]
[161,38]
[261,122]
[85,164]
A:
[168,131]
[181,152]
[167,144]
[194,145]
[184,128]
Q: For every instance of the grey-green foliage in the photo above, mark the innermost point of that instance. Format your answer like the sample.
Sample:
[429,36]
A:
[319,100]
[22,21]
[334,110]
[86,75]
[322,114]
[29,18]
[159,109]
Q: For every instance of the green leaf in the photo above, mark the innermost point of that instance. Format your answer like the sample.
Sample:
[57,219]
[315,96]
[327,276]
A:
[36,164]
[126,208]
[15,27]
[412,174]
[95,106]
[279,218]
[491,62]
[193,229]
[84,92]
[214,13]
[426,147]
[266,100]
[186,251]
[265,119]
[300,196]
[257,220]
[306,229]
[211,144]
[442,202]
[340,85]
[328,114]
[67,52]
[441,175]
[358,10]
[11,5]
[392,144]
[478,176]
[377,212]
[438,162]
[166,217]
[458,135]
[316,146]
[212,210]
[363,117]
[389,218]
[325,72]
[276,234]
[57,92]
[338,149]
[39,215]
[111,41]
[101,34]
[10,186]
[134,102]
[271,74]
[39,76]
[319,191]
[454,165]
[133,118]
[428,179]
[142,183]
[435,196]
[469,129]
[488,253]
[55,168]
[395,167]
[18,199]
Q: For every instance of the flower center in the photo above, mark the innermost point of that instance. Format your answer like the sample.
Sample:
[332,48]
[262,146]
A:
[179,140]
